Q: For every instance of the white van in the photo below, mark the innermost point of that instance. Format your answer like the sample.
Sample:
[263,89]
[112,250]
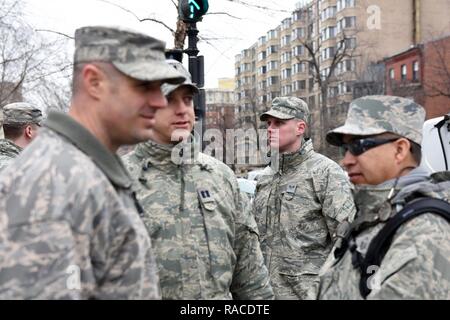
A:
[436,144]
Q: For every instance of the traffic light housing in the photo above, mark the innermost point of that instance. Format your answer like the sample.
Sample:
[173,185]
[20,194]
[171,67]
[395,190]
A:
[192,10]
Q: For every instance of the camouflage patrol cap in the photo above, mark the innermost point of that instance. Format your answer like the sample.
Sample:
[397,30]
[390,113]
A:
[372,115]
[286,108]
[19,113]
[135,54]
[169,88]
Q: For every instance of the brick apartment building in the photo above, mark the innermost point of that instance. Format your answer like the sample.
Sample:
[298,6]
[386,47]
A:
[423,74]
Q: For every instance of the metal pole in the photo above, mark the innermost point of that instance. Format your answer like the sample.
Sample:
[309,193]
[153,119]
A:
[196,70]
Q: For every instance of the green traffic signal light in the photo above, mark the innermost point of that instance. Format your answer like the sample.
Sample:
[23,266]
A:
[192,10]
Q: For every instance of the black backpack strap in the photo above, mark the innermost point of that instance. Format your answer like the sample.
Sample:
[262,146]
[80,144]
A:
[438,126]
[382,241]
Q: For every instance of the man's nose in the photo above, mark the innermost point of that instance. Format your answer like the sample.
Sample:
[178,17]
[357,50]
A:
[157,99]
[349,159]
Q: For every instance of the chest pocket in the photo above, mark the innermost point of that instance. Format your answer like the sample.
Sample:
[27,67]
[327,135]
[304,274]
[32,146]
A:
[300,217]
[219,237]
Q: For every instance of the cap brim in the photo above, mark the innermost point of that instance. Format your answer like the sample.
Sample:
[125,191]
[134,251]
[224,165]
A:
[275,114]
[169,88]
[151,71]
[335,136]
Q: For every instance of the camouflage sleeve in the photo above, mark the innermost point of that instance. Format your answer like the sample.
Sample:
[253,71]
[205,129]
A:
[335,194]
[417,264]
[250,278]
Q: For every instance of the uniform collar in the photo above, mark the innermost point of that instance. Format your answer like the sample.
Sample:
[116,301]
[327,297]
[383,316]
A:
[79,136]
[9,147]
[167,156]
[293,159]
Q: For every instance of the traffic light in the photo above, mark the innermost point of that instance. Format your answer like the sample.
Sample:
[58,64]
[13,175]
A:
[192,10]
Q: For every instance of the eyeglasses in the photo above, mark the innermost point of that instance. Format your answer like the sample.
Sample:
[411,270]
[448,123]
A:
[358,147]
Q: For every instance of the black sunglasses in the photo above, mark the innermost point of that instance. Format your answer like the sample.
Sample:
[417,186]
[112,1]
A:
[358,147]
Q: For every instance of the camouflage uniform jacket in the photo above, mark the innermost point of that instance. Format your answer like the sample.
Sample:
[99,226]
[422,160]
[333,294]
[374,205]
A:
[205,239]
[69,228]
[417,263]
[8,151]
[297,210]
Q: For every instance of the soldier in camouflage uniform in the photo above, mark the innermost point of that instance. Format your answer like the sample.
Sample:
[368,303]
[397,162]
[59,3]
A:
[69,225]
[299,204]
[382,136]
[20,124]
[205,239]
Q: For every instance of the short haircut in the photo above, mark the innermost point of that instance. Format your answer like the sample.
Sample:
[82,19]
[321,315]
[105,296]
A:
[415,149]
[107,68]
[14,131]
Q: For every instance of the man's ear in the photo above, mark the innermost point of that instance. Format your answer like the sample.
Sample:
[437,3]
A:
[28,132]
[93,80]
[301,127]
[402,147]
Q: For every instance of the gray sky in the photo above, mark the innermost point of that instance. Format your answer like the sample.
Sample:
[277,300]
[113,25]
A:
[232,34]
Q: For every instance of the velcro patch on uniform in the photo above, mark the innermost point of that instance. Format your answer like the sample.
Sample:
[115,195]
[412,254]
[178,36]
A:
[291,188]
[290,191]
[206,198]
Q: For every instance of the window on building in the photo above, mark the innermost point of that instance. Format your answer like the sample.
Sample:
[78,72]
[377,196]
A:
[327,13]
[285,40]
[272,81]
[345,23]
[286,73]
[286,57]
[286,24]
[298,50]
[345,87]
[261,55]
[299,85]
[416,70]
[327,53]
[350,43]
[272,49]
[311,30]
[345,66]
[391,73]
[286,90]
[298,33]
[342,4]
[271,34]
[404,71]
[332,92]
[298,67]
[262,70]
[262,40]
[272,65]
[324,73]
[328,33]
[296,15]
[311,85]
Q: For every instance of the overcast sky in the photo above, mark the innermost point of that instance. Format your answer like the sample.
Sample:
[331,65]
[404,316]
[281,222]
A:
[228,35]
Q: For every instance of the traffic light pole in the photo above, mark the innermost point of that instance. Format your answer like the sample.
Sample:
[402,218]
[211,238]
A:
[196,67]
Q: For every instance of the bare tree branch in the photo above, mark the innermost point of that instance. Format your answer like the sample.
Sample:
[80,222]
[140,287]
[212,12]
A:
[56,32]
[251,5]
[223,13]
[139,19]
